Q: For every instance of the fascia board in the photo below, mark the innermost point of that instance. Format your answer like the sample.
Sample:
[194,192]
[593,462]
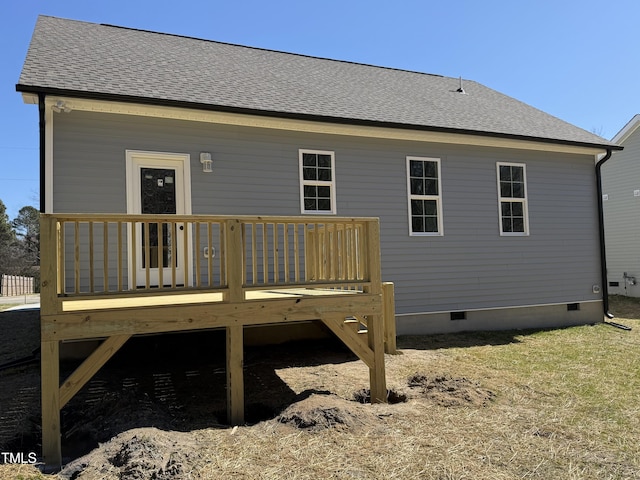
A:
[321,127]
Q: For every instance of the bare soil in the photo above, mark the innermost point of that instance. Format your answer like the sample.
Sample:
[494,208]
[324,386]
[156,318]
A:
[451,392]
[139,417]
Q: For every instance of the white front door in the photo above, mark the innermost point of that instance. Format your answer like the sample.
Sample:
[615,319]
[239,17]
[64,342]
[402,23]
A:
[158,183]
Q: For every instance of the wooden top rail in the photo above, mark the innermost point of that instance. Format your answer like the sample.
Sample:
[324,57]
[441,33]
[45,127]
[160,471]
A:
[134,217]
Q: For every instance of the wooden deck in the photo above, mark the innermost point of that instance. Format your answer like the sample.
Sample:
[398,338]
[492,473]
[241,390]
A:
[100,279]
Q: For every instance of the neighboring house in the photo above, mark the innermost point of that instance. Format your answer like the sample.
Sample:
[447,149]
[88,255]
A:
[487,206]
[621,202]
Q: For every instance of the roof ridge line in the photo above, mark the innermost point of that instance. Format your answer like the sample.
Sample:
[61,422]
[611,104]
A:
[350,62]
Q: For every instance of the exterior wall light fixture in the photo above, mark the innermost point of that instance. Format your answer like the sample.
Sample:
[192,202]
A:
[206,161]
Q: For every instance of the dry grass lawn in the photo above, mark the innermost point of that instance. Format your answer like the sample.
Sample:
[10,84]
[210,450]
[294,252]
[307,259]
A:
[556,404]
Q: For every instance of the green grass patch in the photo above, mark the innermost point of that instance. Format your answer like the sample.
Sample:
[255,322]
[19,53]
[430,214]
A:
[578,387]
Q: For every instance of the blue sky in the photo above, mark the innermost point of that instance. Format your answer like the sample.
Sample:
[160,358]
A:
[576,59]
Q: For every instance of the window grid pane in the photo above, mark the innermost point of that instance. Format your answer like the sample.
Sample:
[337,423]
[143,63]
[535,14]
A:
[512,217]
[512,181]
[423,177]
[427,210]
[310,173]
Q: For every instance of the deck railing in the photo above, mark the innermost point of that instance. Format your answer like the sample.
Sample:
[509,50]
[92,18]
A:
[108,254]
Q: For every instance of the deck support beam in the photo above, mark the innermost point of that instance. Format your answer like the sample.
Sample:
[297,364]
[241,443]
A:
[235,374]
[90,366]
[370,352]
[343,330]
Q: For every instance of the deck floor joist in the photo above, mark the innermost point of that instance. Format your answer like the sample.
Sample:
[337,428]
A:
[144,315]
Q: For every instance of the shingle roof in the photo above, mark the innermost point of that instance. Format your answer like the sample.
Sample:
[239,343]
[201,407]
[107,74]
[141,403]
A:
[102,61]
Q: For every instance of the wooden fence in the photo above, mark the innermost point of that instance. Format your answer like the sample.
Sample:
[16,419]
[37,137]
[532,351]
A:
[14,285]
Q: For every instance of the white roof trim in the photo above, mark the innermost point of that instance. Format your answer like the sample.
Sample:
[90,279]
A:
[627,130]
[246,120]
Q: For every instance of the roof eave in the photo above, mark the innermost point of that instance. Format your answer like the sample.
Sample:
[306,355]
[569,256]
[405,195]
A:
[30,89]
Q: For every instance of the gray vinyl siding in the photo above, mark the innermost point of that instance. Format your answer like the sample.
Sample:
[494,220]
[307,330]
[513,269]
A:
[255,172]
[620,177]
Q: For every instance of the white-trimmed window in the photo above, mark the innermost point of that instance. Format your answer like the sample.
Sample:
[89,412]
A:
[317,182]
[425,202]
[512,199]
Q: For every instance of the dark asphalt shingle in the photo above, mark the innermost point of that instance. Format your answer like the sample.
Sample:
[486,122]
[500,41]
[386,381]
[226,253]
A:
[89,58]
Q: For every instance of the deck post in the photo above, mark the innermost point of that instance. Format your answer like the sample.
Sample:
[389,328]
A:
[235,338]
[49,356]
[50,371]
[389,308]
[235,375]
[235,267]
[377,372]
[375,323]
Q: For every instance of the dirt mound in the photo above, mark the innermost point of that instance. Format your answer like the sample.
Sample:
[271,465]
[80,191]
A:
[139,454]
[320,412]
[450,392]
[150,453]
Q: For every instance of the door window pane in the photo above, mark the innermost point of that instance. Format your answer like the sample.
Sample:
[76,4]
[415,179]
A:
[158,196]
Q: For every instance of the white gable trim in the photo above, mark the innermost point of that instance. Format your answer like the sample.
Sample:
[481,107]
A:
[627,130]
[296,125]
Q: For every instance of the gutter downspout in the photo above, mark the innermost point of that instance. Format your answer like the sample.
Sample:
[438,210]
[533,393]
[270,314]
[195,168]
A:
[603,252]
[42,121]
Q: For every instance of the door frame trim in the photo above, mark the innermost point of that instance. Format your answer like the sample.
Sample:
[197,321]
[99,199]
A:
[131,157]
